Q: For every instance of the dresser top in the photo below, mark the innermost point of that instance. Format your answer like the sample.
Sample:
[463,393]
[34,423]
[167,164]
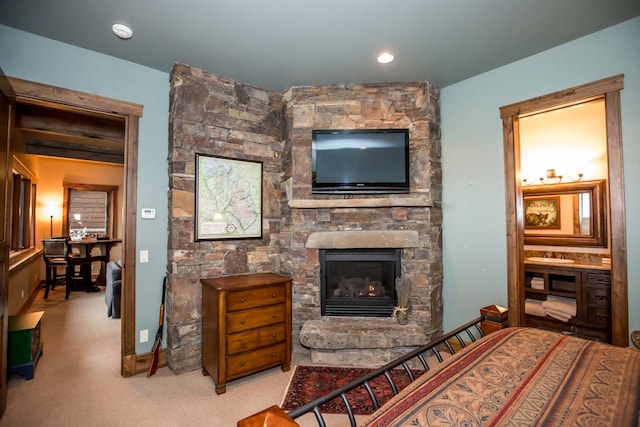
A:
[242,281]
[24,321]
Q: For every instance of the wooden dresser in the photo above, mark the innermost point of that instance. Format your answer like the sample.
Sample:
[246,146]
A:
[246,325]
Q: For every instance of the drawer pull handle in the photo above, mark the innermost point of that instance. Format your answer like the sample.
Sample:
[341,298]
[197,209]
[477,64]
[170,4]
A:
[241,363]
[273,354]
[242,342]
[241,299]
[273,295]
[242,322]
[273,315]
[273,335]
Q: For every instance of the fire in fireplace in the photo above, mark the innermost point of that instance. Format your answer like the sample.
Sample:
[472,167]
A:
[359,282]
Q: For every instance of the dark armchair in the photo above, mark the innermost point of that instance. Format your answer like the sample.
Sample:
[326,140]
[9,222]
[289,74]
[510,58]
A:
[113,289]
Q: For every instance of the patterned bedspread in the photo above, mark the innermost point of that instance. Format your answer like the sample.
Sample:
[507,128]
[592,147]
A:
[523,377]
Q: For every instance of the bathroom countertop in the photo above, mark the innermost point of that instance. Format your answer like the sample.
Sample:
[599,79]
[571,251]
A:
[569,265]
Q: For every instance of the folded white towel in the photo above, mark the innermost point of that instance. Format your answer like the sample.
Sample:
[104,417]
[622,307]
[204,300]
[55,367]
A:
[557,314]
[534,307]
[537,283]
[560,306]
[561,299]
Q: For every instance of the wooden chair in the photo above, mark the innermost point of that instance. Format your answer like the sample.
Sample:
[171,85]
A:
[54,251]
[78,272]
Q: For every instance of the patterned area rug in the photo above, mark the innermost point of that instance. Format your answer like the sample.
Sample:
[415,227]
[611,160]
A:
[309,382]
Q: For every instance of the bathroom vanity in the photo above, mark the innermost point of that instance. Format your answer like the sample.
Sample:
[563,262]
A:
[588,285]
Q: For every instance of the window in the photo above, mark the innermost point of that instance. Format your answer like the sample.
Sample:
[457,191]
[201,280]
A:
[90,209]
[23,219]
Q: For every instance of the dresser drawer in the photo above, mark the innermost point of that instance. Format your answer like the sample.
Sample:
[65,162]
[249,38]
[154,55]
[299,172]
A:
[599,316]
[242,341]
[255,318]
[272,334]
[598,296]
[252,298]
[255,360]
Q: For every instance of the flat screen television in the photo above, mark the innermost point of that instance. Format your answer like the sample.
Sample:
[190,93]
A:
[370,161]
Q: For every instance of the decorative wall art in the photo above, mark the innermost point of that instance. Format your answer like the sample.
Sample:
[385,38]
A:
[228,198]
[542,212]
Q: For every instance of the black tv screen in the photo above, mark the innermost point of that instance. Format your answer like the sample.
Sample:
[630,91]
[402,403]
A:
[360,161]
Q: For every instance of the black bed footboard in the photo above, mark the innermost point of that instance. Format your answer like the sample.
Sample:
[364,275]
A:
[424,358]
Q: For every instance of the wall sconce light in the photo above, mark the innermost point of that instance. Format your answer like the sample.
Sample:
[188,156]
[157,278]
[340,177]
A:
[551,177]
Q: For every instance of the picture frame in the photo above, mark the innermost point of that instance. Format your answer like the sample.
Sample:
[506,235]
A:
[228,198]
[542,213]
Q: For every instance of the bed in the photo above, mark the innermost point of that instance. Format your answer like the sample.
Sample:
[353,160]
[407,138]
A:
[515,376]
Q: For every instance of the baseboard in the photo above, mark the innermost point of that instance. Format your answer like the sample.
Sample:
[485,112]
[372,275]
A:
[27,303]
[134,364]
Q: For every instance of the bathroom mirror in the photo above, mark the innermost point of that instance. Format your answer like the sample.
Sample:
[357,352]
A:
[565,214]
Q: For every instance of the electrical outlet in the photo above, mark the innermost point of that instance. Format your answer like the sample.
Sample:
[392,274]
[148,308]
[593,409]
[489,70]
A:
[144,335]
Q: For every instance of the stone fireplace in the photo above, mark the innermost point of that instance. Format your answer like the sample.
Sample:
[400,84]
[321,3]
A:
[358,282]
[214,115]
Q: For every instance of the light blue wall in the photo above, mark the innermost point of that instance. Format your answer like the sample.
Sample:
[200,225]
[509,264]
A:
[473,173]
[474,232]
[42,60]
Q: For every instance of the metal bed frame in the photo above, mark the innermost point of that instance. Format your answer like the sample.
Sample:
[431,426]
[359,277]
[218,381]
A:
[449,343]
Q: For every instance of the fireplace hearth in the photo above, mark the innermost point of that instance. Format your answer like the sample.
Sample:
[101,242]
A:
[359,282]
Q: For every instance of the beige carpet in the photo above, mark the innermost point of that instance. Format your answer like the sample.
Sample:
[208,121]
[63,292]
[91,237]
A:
[77,381]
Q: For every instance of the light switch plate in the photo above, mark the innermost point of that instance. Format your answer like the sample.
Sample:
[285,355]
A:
[144,256]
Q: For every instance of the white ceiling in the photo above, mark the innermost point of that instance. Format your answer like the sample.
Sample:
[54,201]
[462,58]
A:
[278,44]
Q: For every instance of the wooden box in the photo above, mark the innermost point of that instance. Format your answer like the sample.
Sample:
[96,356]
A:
[494,318]
[24,343]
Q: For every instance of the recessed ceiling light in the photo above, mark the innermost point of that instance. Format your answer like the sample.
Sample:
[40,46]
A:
[385,58]
[122,31]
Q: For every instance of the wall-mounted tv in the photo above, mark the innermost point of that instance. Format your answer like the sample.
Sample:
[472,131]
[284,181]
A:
[371,161]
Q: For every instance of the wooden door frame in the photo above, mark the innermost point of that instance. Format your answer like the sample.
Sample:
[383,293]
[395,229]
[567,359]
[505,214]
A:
[7,99]
[608,89]
[65,99]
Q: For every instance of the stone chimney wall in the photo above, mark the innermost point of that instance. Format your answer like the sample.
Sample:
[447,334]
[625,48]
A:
[214,115]
[367,106]
[217,116]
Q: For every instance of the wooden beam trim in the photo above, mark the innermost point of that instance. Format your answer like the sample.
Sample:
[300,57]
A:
[39,93]
[566,96]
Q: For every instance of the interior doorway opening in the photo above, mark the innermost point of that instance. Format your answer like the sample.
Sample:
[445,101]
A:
[609,91]
[113,121]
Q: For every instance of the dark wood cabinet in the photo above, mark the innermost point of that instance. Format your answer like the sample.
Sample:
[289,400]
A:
[25,343]
[246,325]
[590,288]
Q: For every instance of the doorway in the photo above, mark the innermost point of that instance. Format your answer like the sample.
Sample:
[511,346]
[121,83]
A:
[98,109]
[609,90]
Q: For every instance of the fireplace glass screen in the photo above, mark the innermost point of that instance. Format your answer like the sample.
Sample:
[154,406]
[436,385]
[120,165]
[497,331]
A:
[359,282]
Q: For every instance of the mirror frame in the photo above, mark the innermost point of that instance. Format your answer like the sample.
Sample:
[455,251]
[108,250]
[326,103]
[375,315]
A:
[598,236]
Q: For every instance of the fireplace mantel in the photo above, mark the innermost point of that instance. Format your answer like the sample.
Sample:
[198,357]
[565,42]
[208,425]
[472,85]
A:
[363,239]
[378,202]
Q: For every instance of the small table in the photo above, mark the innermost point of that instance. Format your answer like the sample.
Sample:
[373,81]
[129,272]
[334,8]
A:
[24,343]
[85,247]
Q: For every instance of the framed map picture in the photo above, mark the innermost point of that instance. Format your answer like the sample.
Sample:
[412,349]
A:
[228,198]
